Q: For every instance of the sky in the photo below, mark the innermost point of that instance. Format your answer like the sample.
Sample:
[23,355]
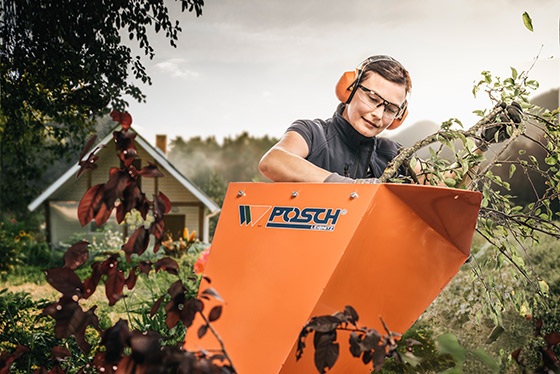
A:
[259,65]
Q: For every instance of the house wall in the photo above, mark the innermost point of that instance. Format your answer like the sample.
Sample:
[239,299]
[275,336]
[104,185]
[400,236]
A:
[64,224]
[63,203]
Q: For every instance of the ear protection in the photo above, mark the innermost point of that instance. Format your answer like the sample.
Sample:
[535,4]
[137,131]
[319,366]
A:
[348,84]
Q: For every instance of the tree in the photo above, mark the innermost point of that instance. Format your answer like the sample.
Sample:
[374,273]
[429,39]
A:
[63,63]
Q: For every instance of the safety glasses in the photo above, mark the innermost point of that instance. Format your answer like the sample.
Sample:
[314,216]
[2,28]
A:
[373,100]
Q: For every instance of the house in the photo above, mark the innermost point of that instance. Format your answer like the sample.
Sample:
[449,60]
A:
[191,208]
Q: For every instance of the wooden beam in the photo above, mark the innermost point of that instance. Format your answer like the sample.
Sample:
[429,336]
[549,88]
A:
[200,221]
[48,225]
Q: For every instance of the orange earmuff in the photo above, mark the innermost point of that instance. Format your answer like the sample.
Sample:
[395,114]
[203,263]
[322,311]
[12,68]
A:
[347,84]
[399,120]
[344,86]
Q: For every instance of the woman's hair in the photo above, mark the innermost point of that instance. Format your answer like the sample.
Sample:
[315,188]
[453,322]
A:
[388,68]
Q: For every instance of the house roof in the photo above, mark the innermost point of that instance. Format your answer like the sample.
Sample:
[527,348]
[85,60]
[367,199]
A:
[158,156]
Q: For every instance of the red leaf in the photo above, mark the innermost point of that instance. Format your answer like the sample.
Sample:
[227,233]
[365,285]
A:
[326,351]
[65,281]
[72,320]
[89,204]
[88,146]
[87,164]
[132,277]
[145,267]
[212,292]
[151,171]
[76,255]
[176,305]
[137,243]
[101,365]
[146,346]
[103,214]
[92,158]
[165,200]
[351,313]
[124,118]
[115,339]
[6,359]
[118,181]
[167,264]
[552,339]
[538,326]
[190,308]
[124,144]
[324,323]
[156,306]
[133,198]
[114,285]
[202,331]
[98,270]
[215,313]
[515,355]
[60,353]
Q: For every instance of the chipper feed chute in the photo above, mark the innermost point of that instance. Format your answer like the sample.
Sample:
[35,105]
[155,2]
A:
[286,252]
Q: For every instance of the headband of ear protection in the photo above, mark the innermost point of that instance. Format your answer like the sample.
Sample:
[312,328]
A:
[348,84]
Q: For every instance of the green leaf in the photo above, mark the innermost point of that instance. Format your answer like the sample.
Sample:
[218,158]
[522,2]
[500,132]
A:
[543,286]
[527,21]
[513,73]
[450,182]
[511,170]
[486,358]
[455,370]
[495,334]
[551,160]
[448,343]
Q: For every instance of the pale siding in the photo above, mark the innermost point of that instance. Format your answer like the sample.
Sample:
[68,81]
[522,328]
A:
[148,184]
[191,219]
[107,160]
[64,221]
[73,189]
[175,191]
[63,203]
[66,226]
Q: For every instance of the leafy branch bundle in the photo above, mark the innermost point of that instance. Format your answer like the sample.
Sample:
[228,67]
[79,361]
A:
[121,350]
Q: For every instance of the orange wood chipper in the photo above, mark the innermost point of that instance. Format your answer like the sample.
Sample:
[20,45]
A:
[285,252]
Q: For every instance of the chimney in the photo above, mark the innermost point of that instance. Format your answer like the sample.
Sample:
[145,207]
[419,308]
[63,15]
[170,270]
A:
[161,143]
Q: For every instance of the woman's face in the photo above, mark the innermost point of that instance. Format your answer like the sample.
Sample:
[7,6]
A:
[367,117]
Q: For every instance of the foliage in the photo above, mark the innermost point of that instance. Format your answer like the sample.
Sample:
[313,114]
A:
[20,243]
[212,166]
[540,354]
[53,84]
[367,343]
[155,343]
[21,324]
[509,228]
[417,352]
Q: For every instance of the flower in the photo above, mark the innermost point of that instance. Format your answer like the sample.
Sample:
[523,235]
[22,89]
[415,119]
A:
[200,264]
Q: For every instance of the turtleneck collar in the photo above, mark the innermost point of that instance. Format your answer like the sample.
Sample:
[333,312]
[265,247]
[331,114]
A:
[347,132]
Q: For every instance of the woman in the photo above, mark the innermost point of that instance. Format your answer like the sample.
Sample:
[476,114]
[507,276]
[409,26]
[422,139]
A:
[345,148]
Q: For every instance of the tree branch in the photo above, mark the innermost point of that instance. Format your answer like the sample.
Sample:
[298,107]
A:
[406,153]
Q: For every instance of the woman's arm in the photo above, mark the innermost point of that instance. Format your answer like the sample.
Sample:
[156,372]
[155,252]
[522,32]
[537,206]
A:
[285,161]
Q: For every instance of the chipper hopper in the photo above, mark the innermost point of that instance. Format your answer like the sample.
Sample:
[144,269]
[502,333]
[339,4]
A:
[285,252]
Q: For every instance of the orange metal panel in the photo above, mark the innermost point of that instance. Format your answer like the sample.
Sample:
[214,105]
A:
[285,252]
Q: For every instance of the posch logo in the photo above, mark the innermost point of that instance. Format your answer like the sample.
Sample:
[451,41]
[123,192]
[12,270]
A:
[289,217]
